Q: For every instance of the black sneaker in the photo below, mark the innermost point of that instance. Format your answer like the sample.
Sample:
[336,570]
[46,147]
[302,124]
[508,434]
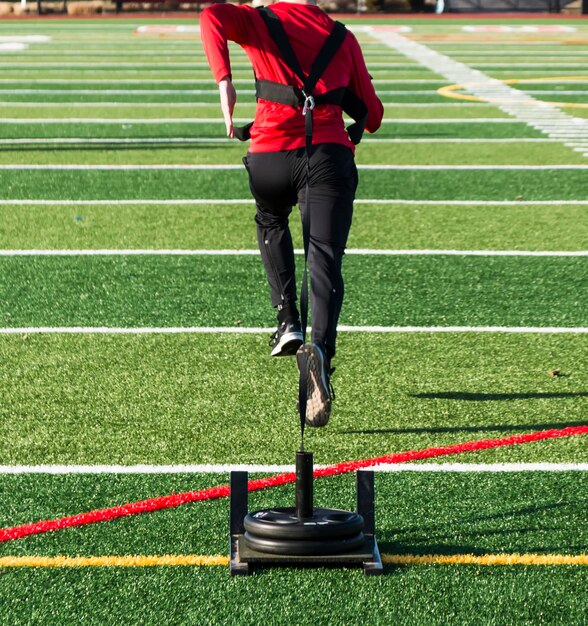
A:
[287,339]
[313,363]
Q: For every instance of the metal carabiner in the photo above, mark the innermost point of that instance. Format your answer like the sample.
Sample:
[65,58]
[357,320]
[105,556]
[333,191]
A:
[308,104]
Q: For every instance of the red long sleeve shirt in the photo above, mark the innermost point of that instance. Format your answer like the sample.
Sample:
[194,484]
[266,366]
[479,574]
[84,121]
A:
[277,126]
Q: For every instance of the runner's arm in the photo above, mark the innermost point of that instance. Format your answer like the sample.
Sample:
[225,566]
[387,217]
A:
[219,24]
[228,99]
[361,85]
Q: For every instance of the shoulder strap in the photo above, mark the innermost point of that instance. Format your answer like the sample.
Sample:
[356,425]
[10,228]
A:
[278,34]
[324,57]
[293,96]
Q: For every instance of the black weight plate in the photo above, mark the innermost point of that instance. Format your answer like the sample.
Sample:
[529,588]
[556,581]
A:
[282,523]
[304,547]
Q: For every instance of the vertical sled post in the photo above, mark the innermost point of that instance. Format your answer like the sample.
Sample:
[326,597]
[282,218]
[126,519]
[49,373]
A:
[239,504]
[366,508]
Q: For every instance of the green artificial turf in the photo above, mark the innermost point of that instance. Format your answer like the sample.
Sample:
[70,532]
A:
[170,596]
[369,153]
[228,291]
[153,69]
[105,94]
[57,111]
[198,398]
[220,398]
[217,129]
[378,226]
[384,184]
[416,513]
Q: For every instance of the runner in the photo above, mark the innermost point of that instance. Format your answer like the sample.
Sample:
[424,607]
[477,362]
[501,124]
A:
[300,152]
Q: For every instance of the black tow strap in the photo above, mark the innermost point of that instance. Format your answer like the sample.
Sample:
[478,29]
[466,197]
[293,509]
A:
[302,97]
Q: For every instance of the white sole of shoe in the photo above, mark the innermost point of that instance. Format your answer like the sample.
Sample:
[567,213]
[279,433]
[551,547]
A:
[289,344]
[318,404]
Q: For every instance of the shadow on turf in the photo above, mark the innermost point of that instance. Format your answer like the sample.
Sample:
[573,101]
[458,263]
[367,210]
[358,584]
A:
[506,428]
[480,397]
[402,540]
[486,397]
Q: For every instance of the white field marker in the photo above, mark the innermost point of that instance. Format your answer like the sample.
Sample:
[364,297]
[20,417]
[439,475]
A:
[238,330]
[167,105]
[225,140]
[25,39]
[520,105]
[231,167]
[168,92]
[236,201]
[255,252]
[218,120]
[274,468]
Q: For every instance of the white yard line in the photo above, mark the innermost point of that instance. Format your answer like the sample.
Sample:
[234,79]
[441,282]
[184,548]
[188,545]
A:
[132,105]
[126,92]
[459,140]
[508,45]
[25,39]
[155,64]
[553,202]
[224,140]
[167,105]
[520,105]
[114,64]
[219,120]
[540,65]
[273,468]
[167,92]
[213,201]
[482,467]
[60,50]
[213,167]
[255,252]
[551,92]
[508,53]
[244,92]
[116,140]
[208,330]
[466,329]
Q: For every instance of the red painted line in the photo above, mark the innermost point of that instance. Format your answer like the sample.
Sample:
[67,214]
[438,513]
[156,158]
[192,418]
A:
[222,491]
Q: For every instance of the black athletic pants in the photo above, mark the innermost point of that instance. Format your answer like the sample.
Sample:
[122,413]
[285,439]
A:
[278,181]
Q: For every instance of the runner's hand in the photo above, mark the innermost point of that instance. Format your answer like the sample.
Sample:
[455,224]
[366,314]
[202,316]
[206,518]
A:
[228,98]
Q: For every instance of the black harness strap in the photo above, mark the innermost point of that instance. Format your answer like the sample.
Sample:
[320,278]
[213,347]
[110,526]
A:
[324,57]
[278,34]
[332,44]
[296,96]
[292,96]
[303,97]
